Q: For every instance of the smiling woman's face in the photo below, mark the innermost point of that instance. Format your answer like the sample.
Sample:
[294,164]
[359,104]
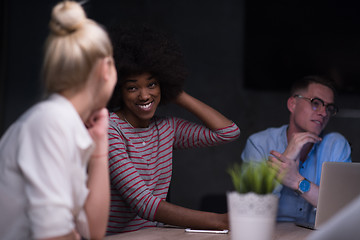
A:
[141,96]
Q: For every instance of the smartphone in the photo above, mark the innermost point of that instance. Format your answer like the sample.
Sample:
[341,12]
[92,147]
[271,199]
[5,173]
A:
[189,230]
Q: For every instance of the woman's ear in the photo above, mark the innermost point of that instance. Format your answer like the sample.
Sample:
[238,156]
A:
[106,68]
[291,104]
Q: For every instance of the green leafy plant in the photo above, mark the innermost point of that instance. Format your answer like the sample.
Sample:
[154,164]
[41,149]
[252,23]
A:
[257,177]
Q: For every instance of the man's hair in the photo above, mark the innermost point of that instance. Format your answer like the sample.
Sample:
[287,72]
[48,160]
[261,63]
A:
[141,49]
[303,83]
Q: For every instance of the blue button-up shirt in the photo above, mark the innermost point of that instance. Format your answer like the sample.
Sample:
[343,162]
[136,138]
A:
[333,148]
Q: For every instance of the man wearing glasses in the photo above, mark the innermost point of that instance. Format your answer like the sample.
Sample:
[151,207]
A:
[298,149]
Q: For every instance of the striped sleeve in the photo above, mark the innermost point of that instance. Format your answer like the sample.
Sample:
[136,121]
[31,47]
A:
[125,177]
[193,135]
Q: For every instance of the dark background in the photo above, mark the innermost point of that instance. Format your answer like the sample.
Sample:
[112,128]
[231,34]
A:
[242,57]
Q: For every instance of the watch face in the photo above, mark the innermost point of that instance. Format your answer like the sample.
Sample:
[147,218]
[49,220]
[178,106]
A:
[304,185]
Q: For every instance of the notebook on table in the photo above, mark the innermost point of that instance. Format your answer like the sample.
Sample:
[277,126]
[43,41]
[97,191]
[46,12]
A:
[339,185]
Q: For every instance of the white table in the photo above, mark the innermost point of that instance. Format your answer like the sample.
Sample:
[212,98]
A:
[284,231]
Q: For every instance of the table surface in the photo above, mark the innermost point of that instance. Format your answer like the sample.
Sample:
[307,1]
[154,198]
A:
[284,231]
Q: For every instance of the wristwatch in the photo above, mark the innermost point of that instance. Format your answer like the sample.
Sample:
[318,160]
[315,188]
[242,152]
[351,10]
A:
[304,186]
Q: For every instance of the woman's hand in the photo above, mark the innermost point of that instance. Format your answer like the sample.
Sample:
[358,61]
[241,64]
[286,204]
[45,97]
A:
[97,126]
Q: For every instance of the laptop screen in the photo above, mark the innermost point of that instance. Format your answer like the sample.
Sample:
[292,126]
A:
[339,185]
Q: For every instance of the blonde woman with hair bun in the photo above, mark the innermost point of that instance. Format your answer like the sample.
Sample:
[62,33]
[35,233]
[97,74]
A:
[54,181]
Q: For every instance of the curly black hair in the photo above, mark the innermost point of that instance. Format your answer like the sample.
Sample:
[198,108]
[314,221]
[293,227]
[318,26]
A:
[141,49]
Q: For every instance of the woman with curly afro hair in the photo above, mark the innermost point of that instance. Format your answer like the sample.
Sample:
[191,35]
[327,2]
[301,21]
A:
[151,72]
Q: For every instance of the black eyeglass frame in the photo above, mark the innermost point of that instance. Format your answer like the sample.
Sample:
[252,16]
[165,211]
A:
[316,108]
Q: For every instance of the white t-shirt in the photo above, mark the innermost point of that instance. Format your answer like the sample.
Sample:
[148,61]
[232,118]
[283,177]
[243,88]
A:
[43,162]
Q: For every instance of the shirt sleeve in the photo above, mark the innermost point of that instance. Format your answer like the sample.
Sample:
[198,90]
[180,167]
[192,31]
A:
[253,151]
[126,179]
[42,160]
[340,150]
[193,135]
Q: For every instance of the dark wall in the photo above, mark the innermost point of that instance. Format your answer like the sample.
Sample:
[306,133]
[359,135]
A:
[212,36]
[25,29]
[290,39]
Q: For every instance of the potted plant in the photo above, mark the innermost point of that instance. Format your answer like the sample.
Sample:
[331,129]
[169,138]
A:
[252,206]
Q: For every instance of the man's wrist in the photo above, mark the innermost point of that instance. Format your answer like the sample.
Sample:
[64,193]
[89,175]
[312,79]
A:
[303,186]
[296,181]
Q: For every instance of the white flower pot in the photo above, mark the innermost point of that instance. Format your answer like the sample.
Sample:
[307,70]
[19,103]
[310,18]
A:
[252,216]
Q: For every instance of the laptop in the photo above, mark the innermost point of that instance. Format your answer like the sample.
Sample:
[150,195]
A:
[339,185]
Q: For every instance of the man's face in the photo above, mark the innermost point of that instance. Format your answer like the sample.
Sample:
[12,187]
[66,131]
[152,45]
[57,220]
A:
[303,117]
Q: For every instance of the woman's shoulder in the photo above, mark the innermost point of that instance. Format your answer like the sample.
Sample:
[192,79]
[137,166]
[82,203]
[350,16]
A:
[51,111]
[113,118]
[117,126]
[49,117]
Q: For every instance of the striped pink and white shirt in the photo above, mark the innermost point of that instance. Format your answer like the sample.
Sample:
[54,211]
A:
[140,164]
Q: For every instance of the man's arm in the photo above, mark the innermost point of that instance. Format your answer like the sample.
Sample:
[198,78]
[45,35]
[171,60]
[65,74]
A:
[336,148]
[288,163]
[288,173]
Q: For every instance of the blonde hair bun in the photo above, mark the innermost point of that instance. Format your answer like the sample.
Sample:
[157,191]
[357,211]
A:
[67,17]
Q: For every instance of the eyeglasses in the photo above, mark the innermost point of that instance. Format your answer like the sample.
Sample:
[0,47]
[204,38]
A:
[317,103]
